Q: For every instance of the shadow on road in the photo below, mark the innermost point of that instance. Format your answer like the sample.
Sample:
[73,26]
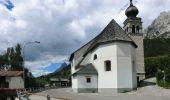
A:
[145,83]
[148,82]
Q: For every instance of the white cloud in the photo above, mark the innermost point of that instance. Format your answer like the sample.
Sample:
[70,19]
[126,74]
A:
[40,72]
[64,25]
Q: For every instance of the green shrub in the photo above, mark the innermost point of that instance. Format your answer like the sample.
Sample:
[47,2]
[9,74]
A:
[165,84]
[159,76]
[154,66]
[151,66]
[160,83]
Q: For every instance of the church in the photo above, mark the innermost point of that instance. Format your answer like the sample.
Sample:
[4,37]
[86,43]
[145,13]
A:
[113,61]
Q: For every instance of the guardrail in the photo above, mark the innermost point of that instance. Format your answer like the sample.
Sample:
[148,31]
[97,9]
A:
[23,95]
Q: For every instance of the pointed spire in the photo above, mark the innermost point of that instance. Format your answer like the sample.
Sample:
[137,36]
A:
[131,3]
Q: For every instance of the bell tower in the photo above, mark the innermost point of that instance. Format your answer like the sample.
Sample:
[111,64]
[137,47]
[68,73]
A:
[133,27]
[133,24]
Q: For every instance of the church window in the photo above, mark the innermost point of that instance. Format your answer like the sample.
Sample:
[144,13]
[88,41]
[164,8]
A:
[95,57]
[133,28]
[127,29]
[137,29]
[88,79]
[108,65]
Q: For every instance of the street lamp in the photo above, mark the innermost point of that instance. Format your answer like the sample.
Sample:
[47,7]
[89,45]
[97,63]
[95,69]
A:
[23,54]
[164,77]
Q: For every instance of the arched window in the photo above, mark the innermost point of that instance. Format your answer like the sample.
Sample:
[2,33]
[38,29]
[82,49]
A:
[137,29]
[133,28]
[95,57]
[107,65]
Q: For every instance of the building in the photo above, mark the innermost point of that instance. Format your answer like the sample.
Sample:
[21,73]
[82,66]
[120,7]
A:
[11,79]
[113,61]
[59,82]
[133,27]
[10,82]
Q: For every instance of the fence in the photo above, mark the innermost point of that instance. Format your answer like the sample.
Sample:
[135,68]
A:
[23,95]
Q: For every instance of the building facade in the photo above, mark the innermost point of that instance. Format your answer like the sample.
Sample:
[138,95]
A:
[111,61]
[11,79]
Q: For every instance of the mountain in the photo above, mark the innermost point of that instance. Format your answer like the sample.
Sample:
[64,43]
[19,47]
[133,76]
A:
[160,27]
[63,72]
[61,67]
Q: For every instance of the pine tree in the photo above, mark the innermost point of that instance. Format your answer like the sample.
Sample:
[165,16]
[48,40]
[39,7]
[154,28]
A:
[12,59]
[18,64]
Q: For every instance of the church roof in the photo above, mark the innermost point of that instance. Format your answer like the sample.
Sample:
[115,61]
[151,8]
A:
[112,32]
[87,69]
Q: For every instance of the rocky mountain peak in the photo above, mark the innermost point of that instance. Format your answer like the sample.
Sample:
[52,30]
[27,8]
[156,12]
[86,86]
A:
[160,27]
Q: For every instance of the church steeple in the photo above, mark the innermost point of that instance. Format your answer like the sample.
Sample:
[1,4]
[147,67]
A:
[131,2]
[131,11]
[133,27]
[133,24]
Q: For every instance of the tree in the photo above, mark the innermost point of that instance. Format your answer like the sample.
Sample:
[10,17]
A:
[2,63]
[12,59]
[17,58]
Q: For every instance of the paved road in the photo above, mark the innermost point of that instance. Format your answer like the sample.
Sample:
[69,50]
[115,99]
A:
[148,92]
[66,93]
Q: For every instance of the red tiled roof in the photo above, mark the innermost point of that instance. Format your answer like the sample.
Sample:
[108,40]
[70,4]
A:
[11,73]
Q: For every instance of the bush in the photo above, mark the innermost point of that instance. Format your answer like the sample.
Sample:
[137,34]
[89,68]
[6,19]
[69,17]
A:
[154,66]
[151,66]
[162,84]
[159,76]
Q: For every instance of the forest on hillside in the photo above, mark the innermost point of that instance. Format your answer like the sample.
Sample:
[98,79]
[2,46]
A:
[157,60]
[156,47]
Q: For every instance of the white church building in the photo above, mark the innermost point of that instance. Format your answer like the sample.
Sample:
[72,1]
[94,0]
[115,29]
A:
[113,61]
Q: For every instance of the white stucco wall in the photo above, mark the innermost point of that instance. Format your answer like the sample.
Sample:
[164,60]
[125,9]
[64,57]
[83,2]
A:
[74,78]
[83,84]
[74,83]
[125,67]
[106,79]
[15,82]
[123,72]
[134,65]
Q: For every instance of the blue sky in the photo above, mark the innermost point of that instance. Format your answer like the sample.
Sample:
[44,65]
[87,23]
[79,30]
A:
[53,67]
[48,69]
[7,3]
[62,26]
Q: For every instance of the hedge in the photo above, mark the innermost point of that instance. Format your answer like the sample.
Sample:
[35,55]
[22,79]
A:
[154,66]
